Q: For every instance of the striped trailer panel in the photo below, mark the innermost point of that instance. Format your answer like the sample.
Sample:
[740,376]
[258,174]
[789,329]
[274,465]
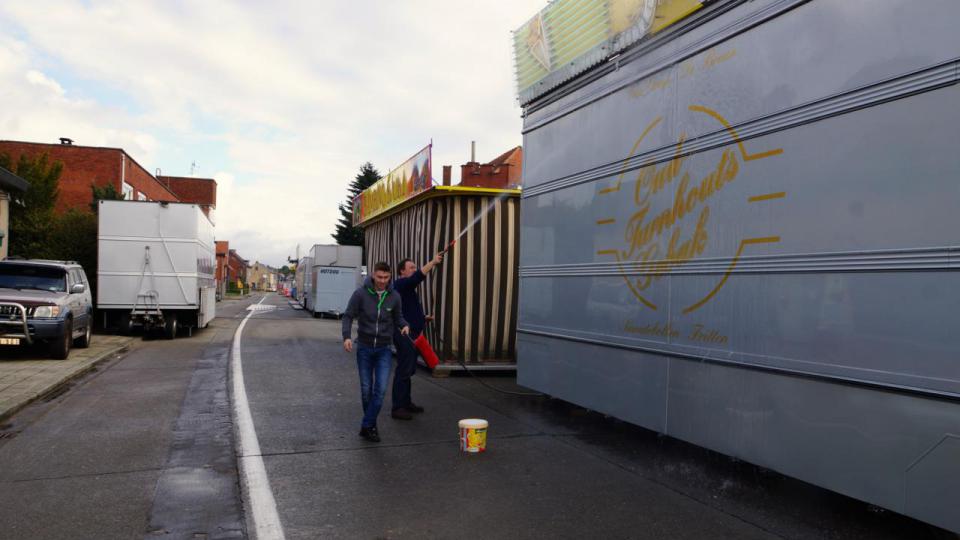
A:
[474,292]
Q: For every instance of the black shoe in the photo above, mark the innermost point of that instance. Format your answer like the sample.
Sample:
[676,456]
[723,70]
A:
[414,408]
[401,414]
[370,434]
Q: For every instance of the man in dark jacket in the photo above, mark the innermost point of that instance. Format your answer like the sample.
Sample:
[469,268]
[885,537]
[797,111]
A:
[410,277]
[379,313]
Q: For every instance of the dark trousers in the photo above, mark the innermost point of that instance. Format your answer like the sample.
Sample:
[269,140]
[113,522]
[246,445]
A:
[406,367]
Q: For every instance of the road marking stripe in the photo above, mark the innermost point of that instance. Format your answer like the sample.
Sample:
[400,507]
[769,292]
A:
[263,507]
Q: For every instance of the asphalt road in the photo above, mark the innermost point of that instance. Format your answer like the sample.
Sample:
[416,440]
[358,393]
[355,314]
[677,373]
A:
[142,447]
[145,448]
[552,470]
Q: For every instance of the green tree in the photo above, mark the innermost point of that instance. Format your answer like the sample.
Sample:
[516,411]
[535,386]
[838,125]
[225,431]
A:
[31,214]
[346,234]
[104,193]
[38,232]
[73,237]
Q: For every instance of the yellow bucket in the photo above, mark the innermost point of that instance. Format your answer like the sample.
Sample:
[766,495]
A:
[473,435]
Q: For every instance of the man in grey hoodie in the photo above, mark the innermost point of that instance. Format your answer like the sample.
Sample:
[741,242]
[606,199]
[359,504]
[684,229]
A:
[378,311]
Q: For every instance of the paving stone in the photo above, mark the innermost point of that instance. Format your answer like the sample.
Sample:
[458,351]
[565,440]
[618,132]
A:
[22,381]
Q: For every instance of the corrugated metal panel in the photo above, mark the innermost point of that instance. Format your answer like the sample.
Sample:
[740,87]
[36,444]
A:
[474,292]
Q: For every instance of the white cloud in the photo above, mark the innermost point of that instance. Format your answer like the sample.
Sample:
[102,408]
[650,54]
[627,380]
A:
[36,107]
[39,79]
[299,95]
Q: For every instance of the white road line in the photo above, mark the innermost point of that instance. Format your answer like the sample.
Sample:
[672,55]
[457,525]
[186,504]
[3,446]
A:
[262,506]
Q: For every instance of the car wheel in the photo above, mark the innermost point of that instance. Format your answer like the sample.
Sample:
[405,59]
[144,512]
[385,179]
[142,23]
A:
[84,342]
[60,349]
[170,326]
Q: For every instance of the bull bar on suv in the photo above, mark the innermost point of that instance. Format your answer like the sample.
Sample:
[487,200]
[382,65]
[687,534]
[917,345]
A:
[11,309]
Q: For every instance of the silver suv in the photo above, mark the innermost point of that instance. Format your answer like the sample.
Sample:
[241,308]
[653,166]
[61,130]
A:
[45,301]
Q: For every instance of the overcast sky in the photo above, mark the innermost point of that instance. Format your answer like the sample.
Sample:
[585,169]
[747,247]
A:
[280,102]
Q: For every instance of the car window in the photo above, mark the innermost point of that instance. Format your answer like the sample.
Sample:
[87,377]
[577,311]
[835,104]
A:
[24,276]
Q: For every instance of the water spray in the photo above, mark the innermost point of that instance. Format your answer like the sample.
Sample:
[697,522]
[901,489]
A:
[421,344]
[476,219]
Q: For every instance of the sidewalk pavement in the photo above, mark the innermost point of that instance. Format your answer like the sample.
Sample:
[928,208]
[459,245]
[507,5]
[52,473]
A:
[24,377]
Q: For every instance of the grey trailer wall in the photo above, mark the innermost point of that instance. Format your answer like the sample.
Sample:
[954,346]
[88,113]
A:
[744,233]
[474,292]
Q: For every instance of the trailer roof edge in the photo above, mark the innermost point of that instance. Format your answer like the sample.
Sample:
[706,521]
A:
[440,191]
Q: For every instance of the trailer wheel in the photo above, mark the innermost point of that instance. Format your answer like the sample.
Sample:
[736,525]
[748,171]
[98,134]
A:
[126,324]
[170,326]
[60,349]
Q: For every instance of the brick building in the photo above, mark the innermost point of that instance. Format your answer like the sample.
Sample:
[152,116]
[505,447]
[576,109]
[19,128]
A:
[199,191]
[504,172]
[84,166]
[236,270]
[223,253]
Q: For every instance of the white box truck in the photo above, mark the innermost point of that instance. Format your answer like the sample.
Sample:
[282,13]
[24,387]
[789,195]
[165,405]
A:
[302,278]
[156,266]
[334,275]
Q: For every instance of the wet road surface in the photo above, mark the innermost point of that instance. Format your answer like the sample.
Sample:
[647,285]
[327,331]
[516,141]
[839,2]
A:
[552,470]
[145,447]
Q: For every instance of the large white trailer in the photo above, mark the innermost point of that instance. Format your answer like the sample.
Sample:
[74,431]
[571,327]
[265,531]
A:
[334,274]
[742,232]
[156,266]
[302,280]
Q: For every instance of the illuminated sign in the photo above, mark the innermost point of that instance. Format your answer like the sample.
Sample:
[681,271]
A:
[569,36]
[410,178]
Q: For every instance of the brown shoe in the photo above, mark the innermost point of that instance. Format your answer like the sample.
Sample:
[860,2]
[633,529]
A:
[401,414]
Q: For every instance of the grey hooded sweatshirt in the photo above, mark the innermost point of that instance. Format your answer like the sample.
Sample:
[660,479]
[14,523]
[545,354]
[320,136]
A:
[378,316]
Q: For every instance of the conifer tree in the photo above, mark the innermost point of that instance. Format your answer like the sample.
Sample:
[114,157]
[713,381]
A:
[346,234]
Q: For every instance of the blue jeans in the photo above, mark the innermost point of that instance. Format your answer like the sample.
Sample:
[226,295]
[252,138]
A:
[374,366]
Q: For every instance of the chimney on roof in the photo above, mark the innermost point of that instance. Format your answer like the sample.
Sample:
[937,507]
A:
[447,172]
[473,151]
[66,140]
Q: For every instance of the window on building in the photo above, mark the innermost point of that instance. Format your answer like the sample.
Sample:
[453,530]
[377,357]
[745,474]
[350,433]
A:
[127,191]
[141,197]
